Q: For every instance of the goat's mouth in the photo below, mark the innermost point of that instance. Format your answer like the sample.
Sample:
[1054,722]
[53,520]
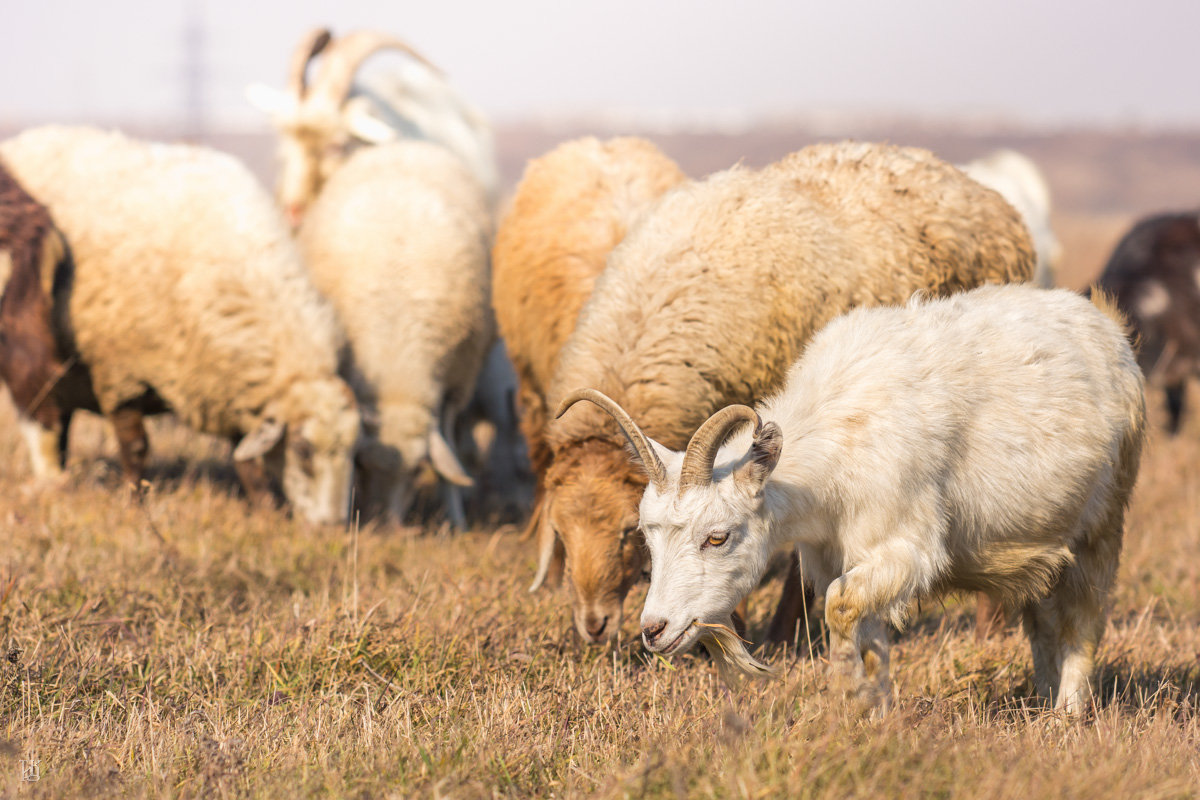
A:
[677,643]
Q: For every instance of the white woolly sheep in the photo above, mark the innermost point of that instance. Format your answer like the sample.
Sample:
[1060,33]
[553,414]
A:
[189,295]
[321,125]
[984,442]
[398,241]
[711,297]
[1022,184]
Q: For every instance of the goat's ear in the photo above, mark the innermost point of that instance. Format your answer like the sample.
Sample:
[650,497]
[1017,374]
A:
[270,100]
[363,123]
[665,454]
[260,441]
[761,460]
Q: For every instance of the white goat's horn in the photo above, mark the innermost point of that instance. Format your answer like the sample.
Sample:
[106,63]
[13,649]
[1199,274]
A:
[702,449]
[306,50]
[342,60]
[650,460]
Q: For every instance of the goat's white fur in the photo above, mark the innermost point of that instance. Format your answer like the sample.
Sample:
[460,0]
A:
[987,441]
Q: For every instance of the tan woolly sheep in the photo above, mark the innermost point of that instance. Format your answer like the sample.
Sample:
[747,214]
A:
[189,295]
[571,208]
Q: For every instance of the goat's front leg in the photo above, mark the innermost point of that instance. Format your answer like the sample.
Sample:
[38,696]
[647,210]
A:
[859,651]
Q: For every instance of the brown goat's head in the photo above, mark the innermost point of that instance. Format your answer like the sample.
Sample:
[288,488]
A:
[591,502]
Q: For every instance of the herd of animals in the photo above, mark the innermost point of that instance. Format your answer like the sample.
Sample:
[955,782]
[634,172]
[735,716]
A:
[853,356]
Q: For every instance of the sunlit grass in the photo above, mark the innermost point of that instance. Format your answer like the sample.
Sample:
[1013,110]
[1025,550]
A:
[185,644]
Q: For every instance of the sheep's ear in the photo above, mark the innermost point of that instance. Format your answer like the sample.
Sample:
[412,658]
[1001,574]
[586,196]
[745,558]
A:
[270,100]
[260,441]
[550,551]
[364,124]
[445,463]
[762,458]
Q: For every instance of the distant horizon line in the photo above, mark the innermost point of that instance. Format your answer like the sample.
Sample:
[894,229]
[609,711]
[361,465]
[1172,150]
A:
[675,122]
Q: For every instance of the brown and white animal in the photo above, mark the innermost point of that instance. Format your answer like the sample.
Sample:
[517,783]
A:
[188,294]
[322,123]
[571,208]
[984,442]
[1154,275]
[711,297]
[1021,183]
[37,359]
[398,241]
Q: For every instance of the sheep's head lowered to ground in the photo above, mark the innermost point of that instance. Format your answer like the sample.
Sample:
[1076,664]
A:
[310,453]
[708,537]
[320,125]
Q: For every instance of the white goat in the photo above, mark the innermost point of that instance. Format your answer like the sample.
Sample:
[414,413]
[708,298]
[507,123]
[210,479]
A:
[984,442]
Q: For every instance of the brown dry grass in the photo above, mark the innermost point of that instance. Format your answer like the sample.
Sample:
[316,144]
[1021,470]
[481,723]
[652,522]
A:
[191,646]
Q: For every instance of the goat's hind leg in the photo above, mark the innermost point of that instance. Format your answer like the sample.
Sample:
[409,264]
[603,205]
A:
[1065,628]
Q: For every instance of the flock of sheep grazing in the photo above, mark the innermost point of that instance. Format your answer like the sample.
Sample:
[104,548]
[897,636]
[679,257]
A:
[852,355]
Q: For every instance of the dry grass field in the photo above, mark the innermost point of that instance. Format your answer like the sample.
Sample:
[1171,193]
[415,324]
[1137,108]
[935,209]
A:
[178,643]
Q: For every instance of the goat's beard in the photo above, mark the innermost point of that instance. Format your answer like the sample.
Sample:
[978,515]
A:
[733,660]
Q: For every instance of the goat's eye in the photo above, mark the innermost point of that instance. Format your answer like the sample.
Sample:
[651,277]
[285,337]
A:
[629,533]
[715,539]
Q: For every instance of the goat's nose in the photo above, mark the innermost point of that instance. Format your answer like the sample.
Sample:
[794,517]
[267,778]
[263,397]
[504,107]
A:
[595,627]
[651,630]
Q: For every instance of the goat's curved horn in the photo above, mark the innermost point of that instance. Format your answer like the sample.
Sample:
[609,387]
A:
[650,460]
[306,50]
[342,60]
[702,449]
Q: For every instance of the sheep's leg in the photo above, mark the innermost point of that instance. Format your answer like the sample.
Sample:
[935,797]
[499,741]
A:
[452,496]
[859,651]
[794,604]
[43,448]
[131,439]
[64,436]
[989,617]
[1175,394]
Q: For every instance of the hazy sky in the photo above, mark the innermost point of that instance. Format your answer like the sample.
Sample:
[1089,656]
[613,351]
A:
[1035,60]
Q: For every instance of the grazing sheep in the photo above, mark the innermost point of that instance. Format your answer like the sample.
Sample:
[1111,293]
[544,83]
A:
[37,359]
[711,297]
[398,241]
[984,442]
[189,296]
[322,124]
[1154,275]
[572,207]
[1021,183]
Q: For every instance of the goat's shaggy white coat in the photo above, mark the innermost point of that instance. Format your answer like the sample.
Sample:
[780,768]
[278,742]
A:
[187,285]
[984,442]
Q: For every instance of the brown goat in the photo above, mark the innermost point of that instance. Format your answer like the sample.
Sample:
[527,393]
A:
[573,205]
[1154,276]
[35,348]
